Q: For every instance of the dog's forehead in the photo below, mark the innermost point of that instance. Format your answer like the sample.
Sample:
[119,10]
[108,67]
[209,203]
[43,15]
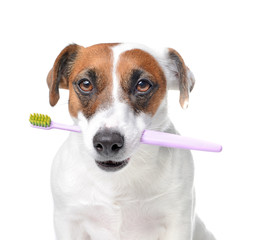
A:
[111,56]
[136,52]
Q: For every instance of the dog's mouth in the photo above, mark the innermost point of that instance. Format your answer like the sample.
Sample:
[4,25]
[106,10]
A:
[112,166]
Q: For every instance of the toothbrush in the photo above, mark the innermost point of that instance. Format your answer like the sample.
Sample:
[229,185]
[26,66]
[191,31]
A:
[42,121]
[148,136]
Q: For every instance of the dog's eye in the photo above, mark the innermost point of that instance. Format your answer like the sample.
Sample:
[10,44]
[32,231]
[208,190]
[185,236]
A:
[143,85]
[85,85]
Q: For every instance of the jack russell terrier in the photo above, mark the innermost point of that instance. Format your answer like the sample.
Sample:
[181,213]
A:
[106,185]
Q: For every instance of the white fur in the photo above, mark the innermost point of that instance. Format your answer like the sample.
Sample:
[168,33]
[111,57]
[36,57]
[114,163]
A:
[152,198]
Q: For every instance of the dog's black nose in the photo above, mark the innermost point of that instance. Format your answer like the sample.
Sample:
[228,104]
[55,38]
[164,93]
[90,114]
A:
[108,143]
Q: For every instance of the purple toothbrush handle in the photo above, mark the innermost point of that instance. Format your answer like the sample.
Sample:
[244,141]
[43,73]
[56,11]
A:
[72,128]
[55,125]
[177,141]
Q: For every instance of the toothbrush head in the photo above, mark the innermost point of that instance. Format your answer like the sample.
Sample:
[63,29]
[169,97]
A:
[40,120]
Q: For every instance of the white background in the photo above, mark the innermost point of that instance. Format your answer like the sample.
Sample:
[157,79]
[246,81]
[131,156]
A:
[215,40]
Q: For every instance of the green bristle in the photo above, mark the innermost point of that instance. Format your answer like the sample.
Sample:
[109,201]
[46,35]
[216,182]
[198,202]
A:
[40,120]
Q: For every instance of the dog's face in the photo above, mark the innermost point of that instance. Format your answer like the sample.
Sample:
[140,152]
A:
[115,92]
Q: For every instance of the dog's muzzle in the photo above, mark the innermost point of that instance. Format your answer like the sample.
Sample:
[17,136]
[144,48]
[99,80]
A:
[108,144]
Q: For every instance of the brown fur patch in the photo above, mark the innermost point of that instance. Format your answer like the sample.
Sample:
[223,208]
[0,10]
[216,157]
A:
[98,59]
[139,60]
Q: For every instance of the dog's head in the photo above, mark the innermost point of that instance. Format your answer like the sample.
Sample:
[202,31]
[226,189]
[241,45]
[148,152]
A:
[115,92]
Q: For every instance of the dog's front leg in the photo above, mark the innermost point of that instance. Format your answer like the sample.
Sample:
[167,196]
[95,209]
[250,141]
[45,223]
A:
[178,231]
[67,229]
[180,225]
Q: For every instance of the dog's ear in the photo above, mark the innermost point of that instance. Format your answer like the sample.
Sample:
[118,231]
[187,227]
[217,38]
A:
[180,77]
[58,76]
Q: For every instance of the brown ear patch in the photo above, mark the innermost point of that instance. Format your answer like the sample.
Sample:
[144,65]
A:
[134,65]
[58,76]
[182,75]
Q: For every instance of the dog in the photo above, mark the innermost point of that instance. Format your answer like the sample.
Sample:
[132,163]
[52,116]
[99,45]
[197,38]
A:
[106,185]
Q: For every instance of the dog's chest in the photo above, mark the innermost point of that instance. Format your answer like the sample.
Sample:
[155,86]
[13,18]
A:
[124,220]
[122,217]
